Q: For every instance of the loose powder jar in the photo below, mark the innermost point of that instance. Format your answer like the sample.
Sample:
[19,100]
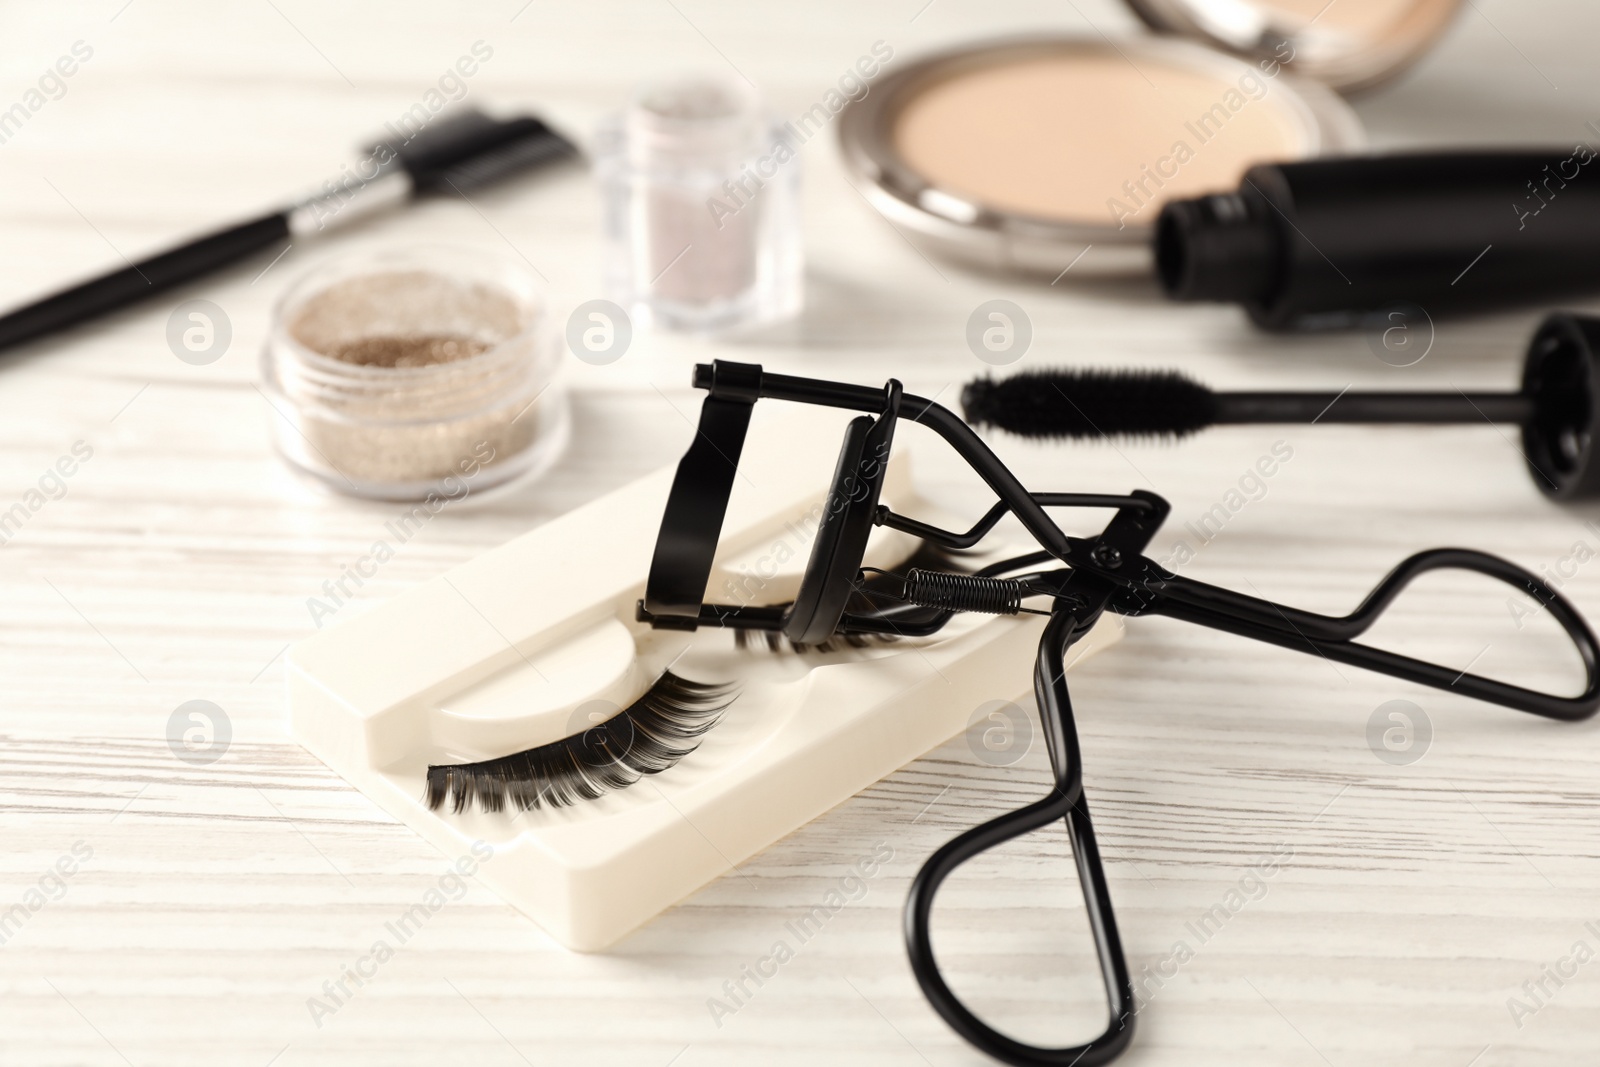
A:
[396,375]
[700,190]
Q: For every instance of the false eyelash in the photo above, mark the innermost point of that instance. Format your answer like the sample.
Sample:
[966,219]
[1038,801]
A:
[649,736]
[928,556]
[776,642]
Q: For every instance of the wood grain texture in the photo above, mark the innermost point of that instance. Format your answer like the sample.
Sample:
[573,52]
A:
[1408,903]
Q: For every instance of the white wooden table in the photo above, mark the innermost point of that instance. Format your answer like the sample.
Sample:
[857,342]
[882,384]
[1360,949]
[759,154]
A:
[1411,901]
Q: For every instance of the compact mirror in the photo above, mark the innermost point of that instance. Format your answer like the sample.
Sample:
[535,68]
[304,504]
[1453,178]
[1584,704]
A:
[1345,44]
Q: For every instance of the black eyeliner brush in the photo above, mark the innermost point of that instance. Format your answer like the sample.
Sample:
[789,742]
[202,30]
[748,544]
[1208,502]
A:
[1556,407]
[459,153]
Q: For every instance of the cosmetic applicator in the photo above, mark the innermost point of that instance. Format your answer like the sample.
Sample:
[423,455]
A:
[459,153]
[1556,407]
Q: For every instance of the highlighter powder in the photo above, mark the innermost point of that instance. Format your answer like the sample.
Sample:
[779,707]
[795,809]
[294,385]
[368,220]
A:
[414,375]
[1092,138]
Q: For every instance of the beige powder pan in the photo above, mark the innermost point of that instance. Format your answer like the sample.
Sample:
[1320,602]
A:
[1024,154]
[1090,137]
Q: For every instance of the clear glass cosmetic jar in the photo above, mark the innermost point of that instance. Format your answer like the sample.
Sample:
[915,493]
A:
[400,374]
[700,192]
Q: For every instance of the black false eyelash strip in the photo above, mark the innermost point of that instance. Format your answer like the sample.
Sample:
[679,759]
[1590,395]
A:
[776,642]
[649,736]
[928,556]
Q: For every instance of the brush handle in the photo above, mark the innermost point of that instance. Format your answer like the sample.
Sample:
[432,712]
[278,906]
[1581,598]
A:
[459,153]
[1372,407]
[146,278]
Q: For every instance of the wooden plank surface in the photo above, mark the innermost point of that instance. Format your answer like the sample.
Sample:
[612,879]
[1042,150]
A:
[1404,906]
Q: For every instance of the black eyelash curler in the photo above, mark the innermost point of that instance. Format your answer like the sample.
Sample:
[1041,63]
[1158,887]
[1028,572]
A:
[1082,578]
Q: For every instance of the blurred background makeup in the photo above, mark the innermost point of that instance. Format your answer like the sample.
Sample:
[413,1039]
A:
[1347,44]
[464,152]
[1039,153]
[1336,242]
[700,193]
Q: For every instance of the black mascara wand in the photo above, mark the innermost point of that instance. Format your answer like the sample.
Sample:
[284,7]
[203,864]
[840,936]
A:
[1556,407]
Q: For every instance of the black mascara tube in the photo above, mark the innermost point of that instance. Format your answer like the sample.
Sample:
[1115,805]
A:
[1331,243]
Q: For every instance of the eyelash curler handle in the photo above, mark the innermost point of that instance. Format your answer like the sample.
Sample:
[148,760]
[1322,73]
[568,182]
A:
[1148,589]
[1065,802]
[1333,636]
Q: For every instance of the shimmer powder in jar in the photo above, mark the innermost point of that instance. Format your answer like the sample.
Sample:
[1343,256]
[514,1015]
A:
[700,192]
[396,375]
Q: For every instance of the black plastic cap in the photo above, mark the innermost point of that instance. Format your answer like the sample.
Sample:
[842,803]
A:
[1562,377]
[1219,248]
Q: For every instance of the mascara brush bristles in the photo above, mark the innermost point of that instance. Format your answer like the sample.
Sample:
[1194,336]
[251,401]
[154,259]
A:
[652,734]
[1091,404]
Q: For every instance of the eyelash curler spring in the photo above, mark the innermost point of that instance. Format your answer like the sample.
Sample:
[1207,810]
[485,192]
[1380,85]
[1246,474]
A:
[1080,578]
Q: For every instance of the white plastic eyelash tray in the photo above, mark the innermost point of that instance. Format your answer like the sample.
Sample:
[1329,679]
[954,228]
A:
[500,655]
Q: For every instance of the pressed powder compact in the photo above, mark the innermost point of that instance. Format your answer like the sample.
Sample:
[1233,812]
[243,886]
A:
[1035,154]
[396,375]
